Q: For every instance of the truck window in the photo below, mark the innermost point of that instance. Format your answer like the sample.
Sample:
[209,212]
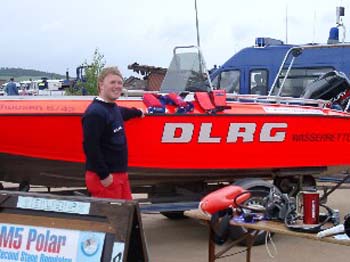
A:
[258,82]
[298,79]
[228,80]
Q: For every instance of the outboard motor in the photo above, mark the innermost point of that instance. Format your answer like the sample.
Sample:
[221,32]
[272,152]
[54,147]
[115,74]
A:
[329,86]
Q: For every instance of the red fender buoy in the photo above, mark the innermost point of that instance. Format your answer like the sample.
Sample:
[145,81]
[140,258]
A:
[222,199]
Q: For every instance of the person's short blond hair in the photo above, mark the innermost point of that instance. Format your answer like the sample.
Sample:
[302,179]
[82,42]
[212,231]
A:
[113,70]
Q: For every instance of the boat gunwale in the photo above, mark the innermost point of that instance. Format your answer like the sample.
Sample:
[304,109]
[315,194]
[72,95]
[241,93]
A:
[338,115]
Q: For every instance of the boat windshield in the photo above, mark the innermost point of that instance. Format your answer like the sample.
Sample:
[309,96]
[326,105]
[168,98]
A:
[187,72]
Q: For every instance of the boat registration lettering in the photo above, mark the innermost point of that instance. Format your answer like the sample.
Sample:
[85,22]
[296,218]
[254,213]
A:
[245,132]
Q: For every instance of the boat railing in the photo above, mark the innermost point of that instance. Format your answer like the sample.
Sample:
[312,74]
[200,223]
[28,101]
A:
[136,92]
[347,108]
[262,99]
[269,99]
[189,96]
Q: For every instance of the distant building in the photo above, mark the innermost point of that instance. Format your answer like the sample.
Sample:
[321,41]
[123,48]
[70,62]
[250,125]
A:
[135,83]
[152,77]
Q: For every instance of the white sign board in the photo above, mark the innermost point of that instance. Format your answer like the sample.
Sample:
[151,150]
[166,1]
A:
[39,244]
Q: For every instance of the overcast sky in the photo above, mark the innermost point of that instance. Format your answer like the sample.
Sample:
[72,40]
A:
[53,35]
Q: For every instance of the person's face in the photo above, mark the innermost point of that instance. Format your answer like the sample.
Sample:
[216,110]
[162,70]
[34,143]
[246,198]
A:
[111,87]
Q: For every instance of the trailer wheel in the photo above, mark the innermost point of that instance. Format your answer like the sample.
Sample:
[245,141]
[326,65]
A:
[174,215]
[24,186]
[252,184]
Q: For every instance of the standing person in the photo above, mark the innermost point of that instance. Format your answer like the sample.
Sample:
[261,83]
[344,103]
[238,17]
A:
[11,88]
[104,139]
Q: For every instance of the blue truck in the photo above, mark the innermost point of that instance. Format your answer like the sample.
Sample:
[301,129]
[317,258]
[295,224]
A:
[253,70]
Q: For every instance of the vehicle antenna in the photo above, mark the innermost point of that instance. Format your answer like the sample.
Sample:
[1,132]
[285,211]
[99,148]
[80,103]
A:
[286,23]
[314,28]
[340,12]
[198,39]
[197,25]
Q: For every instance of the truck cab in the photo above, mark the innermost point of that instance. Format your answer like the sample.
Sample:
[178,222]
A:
[253,70]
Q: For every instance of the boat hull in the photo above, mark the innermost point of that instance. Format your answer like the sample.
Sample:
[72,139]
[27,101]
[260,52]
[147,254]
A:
[56,173]
[41,143]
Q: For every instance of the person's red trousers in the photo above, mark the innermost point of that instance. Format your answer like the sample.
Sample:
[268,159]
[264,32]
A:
[119,189]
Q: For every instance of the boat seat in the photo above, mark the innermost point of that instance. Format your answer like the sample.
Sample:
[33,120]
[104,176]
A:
[212,102]
[204,101]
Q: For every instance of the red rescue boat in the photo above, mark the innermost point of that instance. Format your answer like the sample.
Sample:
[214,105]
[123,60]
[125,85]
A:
[44,136]
[41,139]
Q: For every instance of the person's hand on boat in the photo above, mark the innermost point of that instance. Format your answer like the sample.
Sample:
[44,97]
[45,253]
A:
[142,112]
[107,181]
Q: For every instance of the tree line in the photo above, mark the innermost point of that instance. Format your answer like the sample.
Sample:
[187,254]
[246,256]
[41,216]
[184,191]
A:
[19,72]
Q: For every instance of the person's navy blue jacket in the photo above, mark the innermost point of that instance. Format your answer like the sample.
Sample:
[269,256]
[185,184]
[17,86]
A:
[104,139]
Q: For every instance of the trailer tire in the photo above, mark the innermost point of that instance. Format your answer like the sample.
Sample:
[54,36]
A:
[24,186]
[236,232]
